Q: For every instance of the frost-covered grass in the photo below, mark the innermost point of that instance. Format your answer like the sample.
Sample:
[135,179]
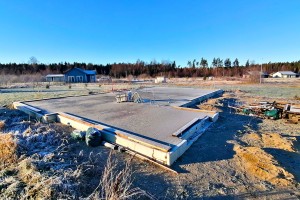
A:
[10,95]
[265,90]
[42,161]
[271,88]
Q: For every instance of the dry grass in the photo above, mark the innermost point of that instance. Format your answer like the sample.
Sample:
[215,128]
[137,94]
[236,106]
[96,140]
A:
[8,150]
[116,184]
[210,104]
[42,162]
[2,125]
[296,97]
[34,176]
[37,186]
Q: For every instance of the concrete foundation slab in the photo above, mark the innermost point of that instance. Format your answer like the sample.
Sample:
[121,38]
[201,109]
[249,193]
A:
[175,96]
[161,131]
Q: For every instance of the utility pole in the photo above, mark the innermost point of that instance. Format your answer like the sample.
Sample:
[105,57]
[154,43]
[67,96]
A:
[261,73]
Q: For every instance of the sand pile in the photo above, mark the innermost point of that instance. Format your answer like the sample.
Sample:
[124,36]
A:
[269,140]
[210,105]
[262,165]
[275,140]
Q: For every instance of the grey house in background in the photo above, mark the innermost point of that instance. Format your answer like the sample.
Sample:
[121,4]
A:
[285,74]
[55,78]
[78,75]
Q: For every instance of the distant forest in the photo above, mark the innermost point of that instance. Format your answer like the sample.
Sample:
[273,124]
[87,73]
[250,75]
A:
[194,68]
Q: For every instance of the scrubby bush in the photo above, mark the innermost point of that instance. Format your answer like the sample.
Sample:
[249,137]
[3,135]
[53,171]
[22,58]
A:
[2,125]
[117,184]
[296,97]
[8,150]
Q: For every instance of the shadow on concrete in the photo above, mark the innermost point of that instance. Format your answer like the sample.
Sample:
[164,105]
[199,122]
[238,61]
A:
[214,144]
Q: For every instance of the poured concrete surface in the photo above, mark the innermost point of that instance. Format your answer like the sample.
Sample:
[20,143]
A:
[147,120]
[174,96]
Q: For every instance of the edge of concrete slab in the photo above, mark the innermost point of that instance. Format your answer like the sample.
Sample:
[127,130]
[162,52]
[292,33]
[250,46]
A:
[202,98]
[165,156]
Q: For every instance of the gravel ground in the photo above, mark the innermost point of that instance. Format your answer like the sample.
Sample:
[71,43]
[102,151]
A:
[212,169]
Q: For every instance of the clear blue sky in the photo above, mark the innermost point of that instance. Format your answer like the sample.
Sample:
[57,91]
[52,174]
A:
[124,31]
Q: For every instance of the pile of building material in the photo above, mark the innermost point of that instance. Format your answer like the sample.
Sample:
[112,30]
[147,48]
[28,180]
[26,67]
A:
[271,110]
[123,97]
[129,97]
[292,113]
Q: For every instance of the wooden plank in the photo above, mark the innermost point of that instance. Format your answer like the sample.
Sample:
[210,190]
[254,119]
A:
[194,110]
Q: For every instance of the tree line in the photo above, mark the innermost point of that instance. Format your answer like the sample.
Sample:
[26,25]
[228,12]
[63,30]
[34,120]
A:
[194,68]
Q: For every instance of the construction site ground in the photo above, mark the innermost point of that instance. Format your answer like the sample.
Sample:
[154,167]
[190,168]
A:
[239,156]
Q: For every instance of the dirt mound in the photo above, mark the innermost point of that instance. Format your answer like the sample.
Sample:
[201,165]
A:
[275,140]
[252,139]
[210,105]
[261,165]
[269,140]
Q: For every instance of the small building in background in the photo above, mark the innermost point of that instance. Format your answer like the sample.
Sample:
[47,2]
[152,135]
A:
[285,74]
[104,79]
[160,79]
[251,74]
[55,78]
[78,75]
